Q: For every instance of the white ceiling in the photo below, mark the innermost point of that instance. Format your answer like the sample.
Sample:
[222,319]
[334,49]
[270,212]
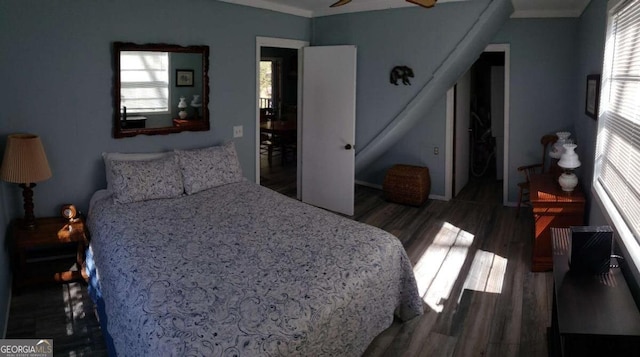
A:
[314,8]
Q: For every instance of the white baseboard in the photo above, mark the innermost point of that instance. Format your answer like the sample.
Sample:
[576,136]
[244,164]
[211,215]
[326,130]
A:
[379,187]
[367,184]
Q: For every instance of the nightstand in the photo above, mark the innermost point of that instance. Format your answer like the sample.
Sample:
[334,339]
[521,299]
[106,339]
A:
[37,254]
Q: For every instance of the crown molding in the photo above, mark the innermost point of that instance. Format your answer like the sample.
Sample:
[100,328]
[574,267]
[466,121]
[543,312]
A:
[368,5]
[372,5]
[546,13]
[548,8]
[268,5]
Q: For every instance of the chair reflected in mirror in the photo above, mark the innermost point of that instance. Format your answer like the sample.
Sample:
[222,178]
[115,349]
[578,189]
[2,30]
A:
[523,197]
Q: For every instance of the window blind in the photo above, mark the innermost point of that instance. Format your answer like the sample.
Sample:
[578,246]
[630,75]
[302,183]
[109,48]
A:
[144,81]
[617,159]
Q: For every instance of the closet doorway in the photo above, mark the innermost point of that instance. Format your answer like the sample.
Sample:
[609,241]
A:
[477,129]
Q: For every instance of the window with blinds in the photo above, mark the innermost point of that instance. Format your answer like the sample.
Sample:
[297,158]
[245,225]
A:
[144,81]
[617,162]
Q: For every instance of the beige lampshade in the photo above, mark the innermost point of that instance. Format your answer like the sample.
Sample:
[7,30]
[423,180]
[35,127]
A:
[24,160]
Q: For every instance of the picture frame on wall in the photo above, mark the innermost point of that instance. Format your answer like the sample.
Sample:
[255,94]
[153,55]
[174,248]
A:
[593,96]
[184,78]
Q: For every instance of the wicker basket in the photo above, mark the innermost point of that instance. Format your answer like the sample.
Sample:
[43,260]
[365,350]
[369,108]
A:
[407,184]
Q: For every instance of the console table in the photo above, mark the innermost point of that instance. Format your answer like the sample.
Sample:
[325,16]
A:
[552,207]
[593,315]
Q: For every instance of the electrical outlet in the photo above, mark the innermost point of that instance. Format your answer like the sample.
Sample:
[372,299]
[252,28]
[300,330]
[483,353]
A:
[237,131]
[436,150]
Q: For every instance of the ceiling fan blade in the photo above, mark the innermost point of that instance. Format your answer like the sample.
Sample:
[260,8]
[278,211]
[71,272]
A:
[340,3]
[423,3]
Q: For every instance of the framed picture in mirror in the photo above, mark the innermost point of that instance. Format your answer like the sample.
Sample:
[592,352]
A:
[184,78]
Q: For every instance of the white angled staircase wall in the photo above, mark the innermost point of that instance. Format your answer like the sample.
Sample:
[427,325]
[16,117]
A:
[460,59]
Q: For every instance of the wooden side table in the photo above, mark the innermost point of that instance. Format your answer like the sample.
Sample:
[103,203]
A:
[188,123]
[41,246]
[552,207]
[593,315]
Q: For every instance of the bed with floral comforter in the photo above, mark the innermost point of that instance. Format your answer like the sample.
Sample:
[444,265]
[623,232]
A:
[239,270]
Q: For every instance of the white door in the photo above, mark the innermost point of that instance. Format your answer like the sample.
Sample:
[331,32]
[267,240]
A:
[328,127]
[462,125]
[497,116]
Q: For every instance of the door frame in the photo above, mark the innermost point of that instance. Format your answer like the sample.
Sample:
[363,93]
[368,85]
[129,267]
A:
[279,43]
[450,116]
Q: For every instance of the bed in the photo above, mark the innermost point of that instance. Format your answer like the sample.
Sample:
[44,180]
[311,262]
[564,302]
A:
[237,269]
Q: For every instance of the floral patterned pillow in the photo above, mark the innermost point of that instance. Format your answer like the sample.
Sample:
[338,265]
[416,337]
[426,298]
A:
[146,180]
[109,157]
[210,167]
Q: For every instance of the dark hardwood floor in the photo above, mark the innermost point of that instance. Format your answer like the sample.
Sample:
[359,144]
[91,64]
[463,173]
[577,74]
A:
[280,176]
[471,257]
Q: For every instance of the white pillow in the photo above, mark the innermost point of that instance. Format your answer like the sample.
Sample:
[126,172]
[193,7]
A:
[209,167]
[108,157]
[141,180]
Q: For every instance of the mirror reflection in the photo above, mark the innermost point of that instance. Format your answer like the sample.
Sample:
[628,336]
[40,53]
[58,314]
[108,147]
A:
[160,89]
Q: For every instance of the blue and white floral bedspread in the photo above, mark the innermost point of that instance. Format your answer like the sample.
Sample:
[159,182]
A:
[240,270]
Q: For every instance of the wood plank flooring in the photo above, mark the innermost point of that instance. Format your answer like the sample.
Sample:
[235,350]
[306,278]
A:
[471,257]
[509,321]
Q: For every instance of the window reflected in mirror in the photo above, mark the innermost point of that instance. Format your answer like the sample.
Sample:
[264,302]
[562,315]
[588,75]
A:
[160,89]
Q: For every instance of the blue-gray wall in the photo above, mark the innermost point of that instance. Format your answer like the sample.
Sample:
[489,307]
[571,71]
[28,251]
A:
[55,65]
[591,41]
[385,39]
[590,54]
[56,75]
[543,94]
[543,55]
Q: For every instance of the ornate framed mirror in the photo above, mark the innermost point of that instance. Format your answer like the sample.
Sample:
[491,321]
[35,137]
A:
[159,89]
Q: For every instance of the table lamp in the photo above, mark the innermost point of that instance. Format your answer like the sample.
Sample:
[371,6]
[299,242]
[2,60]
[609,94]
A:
[569,161]
[25,163]
[196,103]
[182,106]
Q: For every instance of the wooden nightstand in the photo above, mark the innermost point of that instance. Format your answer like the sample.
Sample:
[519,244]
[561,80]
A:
[35,253]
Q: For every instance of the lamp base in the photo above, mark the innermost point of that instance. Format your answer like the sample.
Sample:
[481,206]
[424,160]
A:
[568,181]
[29,221]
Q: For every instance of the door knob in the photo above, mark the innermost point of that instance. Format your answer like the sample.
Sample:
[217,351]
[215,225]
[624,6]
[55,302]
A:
[348,147]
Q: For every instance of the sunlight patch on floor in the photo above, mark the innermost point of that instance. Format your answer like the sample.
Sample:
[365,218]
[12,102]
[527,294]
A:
[486,273]
[438,268]
[74,309]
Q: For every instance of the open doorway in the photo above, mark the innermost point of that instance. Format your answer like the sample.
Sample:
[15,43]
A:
[278,90]
[477,123]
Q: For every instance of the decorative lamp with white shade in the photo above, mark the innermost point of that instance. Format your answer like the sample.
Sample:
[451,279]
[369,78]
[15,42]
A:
[182,105]
[25,163]
[196,103]
[558,147]
[569,161]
